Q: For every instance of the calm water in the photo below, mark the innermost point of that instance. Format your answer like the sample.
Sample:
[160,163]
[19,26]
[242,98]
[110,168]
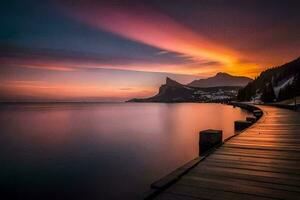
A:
[100,151]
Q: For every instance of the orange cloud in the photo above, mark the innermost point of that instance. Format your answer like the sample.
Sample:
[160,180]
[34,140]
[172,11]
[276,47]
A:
[36,64]
[155,29]
[50,91]
[69,65]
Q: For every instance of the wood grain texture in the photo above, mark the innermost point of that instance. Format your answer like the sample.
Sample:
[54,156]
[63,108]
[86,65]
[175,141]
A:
[262,162]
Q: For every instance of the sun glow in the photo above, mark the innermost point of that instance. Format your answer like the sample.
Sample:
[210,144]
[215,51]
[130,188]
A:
[155,29]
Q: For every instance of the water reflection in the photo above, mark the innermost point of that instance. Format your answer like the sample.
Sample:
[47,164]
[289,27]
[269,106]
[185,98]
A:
[106,151]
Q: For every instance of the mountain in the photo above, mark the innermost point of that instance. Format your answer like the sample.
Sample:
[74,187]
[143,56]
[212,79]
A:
[221,79]
[173,91]
[274,84]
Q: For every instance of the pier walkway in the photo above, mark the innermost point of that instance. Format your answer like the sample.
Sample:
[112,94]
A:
[261,163]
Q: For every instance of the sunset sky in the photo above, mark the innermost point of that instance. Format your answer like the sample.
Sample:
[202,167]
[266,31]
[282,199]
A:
[116,50]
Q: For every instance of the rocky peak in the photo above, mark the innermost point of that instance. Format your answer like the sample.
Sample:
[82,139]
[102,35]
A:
[171,82]
[222,74]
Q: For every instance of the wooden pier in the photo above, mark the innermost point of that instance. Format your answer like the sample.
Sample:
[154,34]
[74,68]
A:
[263,162]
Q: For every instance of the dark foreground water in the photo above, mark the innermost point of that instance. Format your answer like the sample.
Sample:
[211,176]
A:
[100,151]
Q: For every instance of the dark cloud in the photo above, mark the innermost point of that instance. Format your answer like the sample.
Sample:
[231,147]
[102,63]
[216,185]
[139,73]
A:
[15,54]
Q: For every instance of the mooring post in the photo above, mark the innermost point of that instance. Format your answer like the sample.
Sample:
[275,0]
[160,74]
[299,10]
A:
[209,139]
[257,113]
[241,125]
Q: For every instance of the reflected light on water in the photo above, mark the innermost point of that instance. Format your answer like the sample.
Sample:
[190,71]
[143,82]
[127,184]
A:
[84,151]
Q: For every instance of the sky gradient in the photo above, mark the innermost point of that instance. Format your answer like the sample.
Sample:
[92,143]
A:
[116,50]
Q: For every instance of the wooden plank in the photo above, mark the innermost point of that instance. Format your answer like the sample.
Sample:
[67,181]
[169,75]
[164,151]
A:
[288,177]
[266,144]
[275,140]
[254,166]
[253,152]
[240,180]
[257,128]
[268,139]
[199,192]
[262,162]
[258,160]
[244,174]
[294,157]
[224,185]
[261,147]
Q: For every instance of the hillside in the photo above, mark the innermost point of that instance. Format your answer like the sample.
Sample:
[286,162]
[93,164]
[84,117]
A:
[221,79]
[173,91]
[274,84]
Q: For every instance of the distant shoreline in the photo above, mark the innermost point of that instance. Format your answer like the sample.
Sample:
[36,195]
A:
[57,102]
[95,102]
